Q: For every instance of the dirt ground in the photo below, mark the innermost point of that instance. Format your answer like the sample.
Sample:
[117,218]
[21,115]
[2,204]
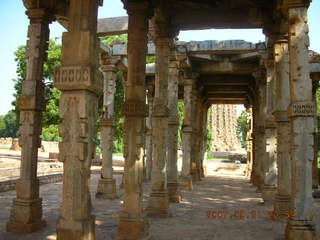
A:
[235,212]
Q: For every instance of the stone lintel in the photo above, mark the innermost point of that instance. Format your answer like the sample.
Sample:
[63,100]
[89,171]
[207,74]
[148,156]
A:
[135,108]
[301,109]
[78,77]
[281,116]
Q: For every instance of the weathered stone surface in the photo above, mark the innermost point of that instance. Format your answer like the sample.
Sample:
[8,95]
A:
[26,212]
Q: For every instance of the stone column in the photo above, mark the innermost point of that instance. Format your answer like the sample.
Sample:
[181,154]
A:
[269,188]
[149,135]
[186,179]
[203,149]
[26,211]
[158,205]
[107,185]
[282,198]
[301,112]
[249,142]
[254,178]
[172,169]
[133,224]
[315,170]
[196,135]
[79,80]
[260,134]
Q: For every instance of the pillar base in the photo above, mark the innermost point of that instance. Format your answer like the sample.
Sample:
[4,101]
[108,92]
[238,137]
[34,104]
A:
[158,205]
[297,230]
[133,229]
[185,183]
[107,189]
[173,192]
[282,206]
[76,230]
[268,194]
[26,216]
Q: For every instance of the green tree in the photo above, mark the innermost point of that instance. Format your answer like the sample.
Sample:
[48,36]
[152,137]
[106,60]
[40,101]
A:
[242,128]
[209,131]
[50,116]
[8,126]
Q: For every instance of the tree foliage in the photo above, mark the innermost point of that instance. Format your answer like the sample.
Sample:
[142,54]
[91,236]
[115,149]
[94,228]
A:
[242,129]
[8,126]
[50,116]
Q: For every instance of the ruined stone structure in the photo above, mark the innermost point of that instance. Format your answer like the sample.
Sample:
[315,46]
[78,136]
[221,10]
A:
[224,128]
[274,80]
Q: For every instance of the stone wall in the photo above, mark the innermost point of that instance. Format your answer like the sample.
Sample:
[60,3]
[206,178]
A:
[224,128]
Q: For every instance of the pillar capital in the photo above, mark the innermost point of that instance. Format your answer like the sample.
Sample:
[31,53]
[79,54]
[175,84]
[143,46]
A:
[39,15]
[137,7]
[298,3]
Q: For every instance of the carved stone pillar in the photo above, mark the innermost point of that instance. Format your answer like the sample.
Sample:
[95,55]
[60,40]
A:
[301,112]
[254,179]
[79,80]
[26,211]
[283,195]
[260,134]
[186,179]
[158,205]
[203,140]
[133,224]
[149,135]
[172,169]
[198,135]
[269,188]
[315,170]
[107,185]
[249,142]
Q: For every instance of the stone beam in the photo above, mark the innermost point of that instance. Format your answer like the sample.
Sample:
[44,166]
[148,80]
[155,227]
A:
[227,67]
[235,80]
[112,26]
[212,101]
[227,89]
[227,96]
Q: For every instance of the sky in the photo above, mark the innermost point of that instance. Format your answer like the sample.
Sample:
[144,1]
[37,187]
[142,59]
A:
[14,24]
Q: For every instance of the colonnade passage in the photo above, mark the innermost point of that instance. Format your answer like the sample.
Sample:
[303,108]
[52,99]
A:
[275,80]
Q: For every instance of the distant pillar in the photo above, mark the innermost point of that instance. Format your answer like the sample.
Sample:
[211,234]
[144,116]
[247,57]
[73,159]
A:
[186,179]
[149,134]
[172,169]
[107,184]
[270,184]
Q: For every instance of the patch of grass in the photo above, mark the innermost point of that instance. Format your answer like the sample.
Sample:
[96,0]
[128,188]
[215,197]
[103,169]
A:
[4,148]
[117,154]
[211,157]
